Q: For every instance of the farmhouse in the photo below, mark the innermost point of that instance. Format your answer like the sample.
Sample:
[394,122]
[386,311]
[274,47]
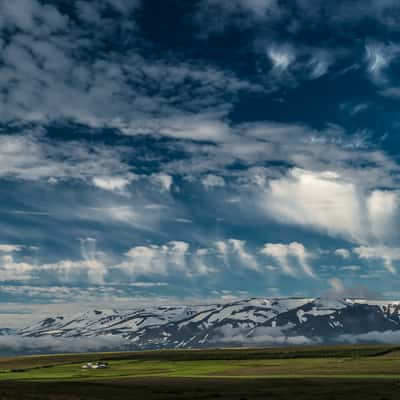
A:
[95,365]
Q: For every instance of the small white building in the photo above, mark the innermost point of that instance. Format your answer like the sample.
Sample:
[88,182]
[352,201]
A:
[95,365]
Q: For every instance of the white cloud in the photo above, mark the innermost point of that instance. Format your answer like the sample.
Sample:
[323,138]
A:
[233,251]
[238,248]
[330,149]
[165,181]
[122,214]
[177,253]
[378,57]
[10,248]
[344,253]
[33,157]
[148,284]
[387,254]
[212,181]
[382,207]
[200,264]
[111,90]
[88,248]
[299,251]
[156,259]
[169,259]
[352,268]
[282,252]
[281,57]
[68,271]
[10,270]
[112,183]
[200,127]
[29,15]
[328,202]
[88,270]
[320,200]
[319,64]
[222,249]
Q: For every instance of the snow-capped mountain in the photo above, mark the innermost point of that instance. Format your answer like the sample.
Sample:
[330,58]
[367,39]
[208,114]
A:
[266,321]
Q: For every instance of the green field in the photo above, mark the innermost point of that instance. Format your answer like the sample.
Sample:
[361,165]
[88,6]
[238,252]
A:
[338,372]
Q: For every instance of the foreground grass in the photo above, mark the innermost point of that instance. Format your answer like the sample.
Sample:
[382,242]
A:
[205,389]
[366,367]
[368,372]
[336,362]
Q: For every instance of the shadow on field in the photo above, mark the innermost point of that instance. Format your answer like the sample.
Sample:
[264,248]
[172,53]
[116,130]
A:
[192,389]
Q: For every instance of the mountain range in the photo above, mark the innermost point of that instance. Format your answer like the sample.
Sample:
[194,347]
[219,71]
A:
[248,322]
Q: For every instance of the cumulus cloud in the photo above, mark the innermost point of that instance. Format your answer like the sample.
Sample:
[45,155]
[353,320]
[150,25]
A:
[112,183]
[10,248]
[68,271]
[234,251]
[282,253]
[212,181]
[382,207]
[384,253]
[10,270]
[169,258]
[344,253]
[165,181]
[88,270]
[315,199]
[330,203]
[238,248]
[173,258]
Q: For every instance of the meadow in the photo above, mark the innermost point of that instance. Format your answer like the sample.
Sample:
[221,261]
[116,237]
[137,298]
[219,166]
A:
[331,372]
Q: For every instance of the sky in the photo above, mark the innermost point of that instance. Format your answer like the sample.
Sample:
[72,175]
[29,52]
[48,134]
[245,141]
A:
[204,150]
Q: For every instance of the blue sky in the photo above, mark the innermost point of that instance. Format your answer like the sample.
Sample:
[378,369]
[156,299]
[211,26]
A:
[207,149]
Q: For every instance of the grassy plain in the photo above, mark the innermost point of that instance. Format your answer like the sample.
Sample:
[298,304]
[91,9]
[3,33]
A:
[338,372]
